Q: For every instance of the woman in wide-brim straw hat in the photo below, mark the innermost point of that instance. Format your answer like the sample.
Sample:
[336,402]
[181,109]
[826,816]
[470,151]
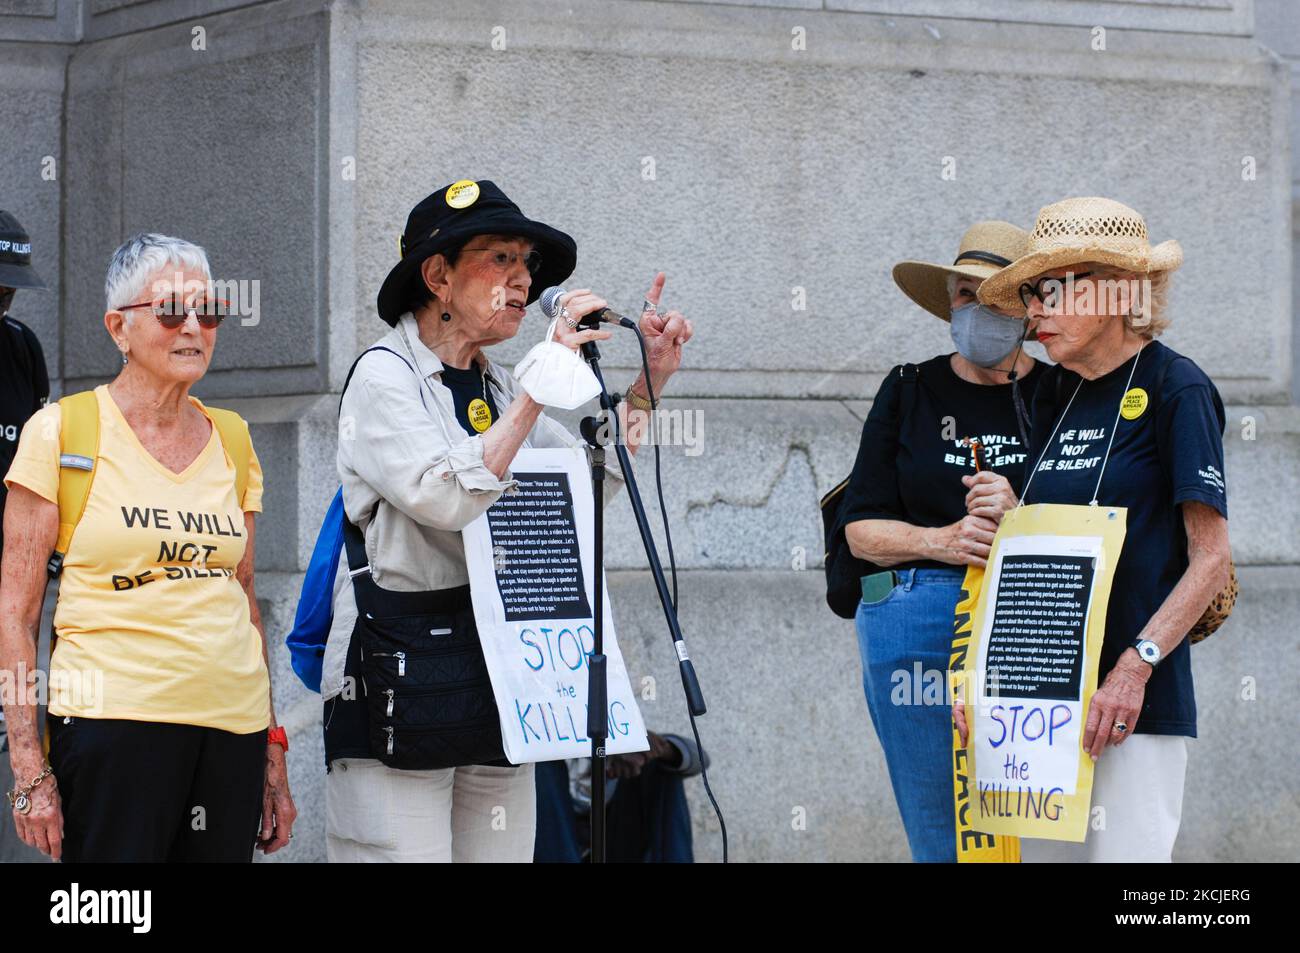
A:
[905,515]
[1125,421]
[428,428]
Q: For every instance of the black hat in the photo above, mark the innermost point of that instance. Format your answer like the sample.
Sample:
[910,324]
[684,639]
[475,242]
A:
[16,269]
[453,215]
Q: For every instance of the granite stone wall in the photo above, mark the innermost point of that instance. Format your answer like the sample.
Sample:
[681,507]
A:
[775,159]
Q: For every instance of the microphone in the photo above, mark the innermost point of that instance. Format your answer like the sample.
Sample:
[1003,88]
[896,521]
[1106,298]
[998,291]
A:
[550,302]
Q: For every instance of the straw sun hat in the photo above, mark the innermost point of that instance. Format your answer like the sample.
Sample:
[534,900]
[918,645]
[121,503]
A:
[1079,230]
[985,249]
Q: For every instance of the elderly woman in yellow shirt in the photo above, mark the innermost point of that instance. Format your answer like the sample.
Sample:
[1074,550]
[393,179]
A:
[163,744]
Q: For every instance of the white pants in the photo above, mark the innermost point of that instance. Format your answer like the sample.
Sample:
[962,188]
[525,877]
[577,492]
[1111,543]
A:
[1139,789]
[475,814]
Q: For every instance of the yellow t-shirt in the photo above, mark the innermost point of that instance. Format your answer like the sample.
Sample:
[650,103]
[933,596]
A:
[152,622]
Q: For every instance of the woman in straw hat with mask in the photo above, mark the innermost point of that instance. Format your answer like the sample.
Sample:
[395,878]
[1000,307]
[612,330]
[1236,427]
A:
[905,513]
[428,428]
[1124,421]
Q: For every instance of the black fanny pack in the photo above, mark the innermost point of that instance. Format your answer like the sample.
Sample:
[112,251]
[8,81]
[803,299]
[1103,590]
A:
[424,681]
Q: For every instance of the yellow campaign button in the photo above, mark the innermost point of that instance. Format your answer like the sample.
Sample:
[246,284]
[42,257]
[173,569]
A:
[480,415]
[1134,404]
[462,194]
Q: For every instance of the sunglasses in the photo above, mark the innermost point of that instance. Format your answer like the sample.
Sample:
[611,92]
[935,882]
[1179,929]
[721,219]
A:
[1031,290]
[172,310]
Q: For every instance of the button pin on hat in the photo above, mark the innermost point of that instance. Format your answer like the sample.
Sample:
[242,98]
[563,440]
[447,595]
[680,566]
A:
[462,194]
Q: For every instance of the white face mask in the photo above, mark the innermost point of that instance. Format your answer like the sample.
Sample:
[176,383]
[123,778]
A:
[555,375]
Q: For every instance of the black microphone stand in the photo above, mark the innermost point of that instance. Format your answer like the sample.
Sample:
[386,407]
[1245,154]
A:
[596,433]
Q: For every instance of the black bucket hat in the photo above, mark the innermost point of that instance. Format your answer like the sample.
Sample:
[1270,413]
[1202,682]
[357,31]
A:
[451,216]
[16,269]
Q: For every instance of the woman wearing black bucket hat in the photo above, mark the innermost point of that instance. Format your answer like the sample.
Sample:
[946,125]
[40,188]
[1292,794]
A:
[428,427]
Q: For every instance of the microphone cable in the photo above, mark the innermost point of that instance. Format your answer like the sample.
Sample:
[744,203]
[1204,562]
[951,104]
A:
[672,565]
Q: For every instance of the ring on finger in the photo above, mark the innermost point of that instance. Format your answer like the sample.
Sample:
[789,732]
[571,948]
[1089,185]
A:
[1120,727]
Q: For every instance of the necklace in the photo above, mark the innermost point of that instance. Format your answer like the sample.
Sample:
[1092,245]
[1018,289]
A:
[479,411]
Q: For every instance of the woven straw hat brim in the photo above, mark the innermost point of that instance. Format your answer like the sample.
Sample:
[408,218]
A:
[927,283]
[1002,290]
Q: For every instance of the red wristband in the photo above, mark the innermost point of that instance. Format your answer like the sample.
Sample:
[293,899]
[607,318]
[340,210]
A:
[277,736]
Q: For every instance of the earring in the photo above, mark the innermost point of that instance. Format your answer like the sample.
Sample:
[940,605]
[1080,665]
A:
[446,316]
[124,357]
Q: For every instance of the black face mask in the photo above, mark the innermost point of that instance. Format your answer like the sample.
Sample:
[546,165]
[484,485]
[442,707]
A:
[6,299]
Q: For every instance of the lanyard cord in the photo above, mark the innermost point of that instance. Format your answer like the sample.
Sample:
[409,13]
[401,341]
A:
[1017,402]
[1050,440]
[406,342]
[1060,420]
[1115,426]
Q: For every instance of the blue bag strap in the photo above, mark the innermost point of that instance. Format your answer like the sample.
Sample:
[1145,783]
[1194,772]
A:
[353,369]
[364,588]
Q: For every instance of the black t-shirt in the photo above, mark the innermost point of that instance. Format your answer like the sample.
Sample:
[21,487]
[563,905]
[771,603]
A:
[24,388]
[1168,449]
[469,391]
[911,459]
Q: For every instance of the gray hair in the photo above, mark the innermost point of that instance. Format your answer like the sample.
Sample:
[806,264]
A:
[142,256]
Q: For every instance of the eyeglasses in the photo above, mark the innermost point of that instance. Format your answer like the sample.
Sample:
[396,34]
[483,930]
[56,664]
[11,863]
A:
[1031,290]
[172,310]
[505,260]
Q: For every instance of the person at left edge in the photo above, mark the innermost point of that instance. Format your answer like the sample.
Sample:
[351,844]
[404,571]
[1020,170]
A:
[905,515]
[428,428]
[24,388]
[163,744]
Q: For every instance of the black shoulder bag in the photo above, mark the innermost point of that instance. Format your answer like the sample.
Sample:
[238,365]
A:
[844,571]
[428,698]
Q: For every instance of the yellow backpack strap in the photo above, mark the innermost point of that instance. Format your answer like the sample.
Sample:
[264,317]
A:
[78,451]
[239,445]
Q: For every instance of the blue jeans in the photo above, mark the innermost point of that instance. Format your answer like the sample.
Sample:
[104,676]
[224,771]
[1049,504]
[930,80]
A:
[905,640]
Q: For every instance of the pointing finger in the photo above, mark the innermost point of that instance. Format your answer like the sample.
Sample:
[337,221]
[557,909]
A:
[656,288]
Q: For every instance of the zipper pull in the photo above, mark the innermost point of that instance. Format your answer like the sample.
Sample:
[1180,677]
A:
[401,663]
[389,729]
[389,692]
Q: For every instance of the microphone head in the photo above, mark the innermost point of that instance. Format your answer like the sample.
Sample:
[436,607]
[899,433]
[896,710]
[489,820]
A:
[550,301]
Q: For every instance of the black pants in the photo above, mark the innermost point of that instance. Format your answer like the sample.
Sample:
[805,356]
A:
[136,791]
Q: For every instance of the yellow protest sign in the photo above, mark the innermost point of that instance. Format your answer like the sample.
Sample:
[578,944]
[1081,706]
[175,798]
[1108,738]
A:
[1035,639]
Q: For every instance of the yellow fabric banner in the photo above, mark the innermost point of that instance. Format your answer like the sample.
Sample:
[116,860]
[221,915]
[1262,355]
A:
[973,846]
[1030,669]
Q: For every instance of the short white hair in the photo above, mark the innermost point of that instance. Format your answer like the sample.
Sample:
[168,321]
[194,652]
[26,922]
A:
[140,257]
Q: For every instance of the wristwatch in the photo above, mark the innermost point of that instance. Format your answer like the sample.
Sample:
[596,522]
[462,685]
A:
[637,401]
[277,736]
[1148,651]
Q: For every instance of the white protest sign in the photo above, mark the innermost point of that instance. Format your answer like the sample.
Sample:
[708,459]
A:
[1032,652]
[532,576]
[1038,630]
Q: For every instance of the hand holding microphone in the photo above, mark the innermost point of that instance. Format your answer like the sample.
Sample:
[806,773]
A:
[578,313]
[575,316]
[553,373]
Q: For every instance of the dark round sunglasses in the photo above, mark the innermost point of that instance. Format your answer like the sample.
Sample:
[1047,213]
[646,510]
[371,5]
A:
[172,310]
